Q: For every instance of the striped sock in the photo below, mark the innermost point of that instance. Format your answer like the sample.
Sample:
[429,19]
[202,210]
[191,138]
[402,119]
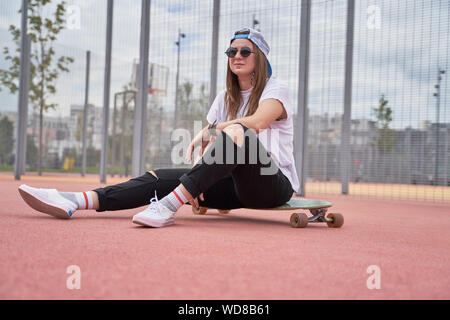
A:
[174,200]
[82,199]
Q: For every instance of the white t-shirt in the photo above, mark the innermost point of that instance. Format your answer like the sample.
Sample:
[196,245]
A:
[278,137]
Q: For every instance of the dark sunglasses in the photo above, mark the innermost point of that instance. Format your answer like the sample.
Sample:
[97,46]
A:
[232,52]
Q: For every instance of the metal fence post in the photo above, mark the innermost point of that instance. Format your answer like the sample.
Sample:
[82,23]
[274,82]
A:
[301,132]
[140,114]
[214,52]
[22,117]
[85,113]
[346,123]
[106,92]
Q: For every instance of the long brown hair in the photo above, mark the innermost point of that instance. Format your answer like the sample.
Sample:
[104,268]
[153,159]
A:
[233,97]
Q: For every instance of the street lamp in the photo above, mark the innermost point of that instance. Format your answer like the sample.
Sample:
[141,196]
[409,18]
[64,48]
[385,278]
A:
[178,43]
[437,95]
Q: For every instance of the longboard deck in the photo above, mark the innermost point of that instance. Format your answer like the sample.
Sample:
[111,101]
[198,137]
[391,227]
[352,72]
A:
[296,203]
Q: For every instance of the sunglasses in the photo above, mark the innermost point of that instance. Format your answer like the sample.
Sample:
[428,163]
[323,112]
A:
[232,52]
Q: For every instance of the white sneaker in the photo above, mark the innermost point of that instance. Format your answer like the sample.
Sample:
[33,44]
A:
[48,201]
[156,215]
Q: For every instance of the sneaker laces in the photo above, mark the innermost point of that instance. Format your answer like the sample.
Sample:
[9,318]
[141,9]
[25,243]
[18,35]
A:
[157,207]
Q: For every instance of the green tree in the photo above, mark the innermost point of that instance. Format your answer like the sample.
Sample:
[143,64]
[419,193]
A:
[202,103]
[45,67]
[387,137]
[6,140]
[32,151]
[192,108]
[186,101]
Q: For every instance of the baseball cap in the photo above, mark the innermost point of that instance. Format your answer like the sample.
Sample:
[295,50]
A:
[258,39]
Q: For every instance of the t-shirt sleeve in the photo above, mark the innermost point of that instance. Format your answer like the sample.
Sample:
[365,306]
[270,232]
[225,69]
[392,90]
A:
[278,90]
[214,113]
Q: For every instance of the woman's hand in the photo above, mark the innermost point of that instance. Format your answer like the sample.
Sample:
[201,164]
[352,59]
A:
[194,201]
[202,139]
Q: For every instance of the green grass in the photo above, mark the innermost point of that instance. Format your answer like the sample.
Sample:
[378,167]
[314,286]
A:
[6,168]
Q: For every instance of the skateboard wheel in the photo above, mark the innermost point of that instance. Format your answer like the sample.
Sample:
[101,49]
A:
[299,220]
[337,220]
[200,210]
[223,211]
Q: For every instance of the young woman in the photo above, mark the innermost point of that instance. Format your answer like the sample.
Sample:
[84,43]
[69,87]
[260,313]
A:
[246,157]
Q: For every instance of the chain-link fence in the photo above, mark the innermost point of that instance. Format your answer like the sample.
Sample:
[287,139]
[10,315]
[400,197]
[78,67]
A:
[399,135]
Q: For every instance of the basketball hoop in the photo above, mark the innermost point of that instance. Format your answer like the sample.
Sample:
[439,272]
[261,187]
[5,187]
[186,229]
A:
[154,90]
[158,76]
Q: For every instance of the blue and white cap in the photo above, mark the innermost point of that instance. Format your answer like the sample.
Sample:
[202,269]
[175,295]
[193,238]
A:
[258,39]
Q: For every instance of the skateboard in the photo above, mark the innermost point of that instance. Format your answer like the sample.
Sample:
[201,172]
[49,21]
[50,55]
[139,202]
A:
[317,208]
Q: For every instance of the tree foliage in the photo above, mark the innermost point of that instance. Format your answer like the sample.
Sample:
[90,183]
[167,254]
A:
[6,140]
[45,65]
[386,139]
[192,108]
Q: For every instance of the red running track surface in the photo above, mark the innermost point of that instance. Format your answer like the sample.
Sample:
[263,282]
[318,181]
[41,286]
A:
[246,254]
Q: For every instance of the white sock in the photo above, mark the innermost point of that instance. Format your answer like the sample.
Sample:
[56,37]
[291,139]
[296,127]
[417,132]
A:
[82,199]
[174,200]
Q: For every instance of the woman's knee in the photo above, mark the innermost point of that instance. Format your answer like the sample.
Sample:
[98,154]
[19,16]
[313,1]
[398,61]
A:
[236,133]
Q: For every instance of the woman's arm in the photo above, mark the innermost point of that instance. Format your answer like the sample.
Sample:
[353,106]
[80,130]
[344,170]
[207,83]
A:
[200,140]
[268,111]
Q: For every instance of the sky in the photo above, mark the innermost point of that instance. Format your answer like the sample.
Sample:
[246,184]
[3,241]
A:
[398,47]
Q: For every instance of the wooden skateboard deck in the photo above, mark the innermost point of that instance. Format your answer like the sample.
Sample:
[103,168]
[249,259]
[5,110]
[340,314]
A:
[297,203]
[317,208]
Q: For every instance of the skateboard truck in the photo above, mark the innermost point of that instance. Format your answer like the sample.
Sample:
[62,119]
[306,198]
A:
[301,220]
[319,215]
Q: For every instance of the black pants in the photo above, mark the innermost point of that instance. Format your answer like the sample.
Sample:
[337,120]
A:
[228,175]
